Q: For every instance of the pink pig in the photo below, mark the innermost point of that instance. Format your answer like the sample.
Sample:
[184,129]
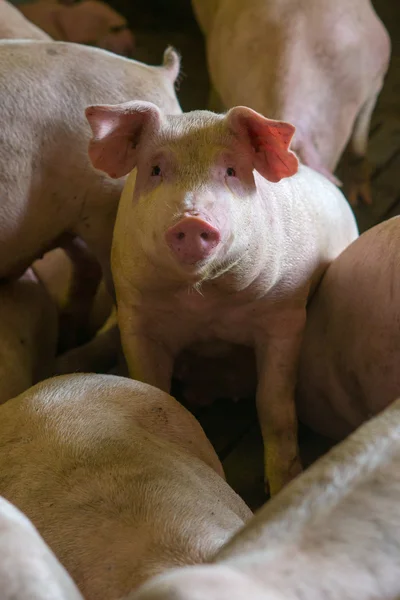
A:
[220,238]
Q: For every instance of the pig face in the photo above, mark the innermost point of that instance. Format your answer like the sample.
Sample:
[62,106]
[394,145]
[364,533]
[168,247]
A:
[195,202]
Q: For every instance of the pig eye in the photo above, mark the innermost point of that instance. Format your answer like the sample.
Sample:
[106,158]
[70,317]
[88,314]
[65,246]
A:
[231,172]
[155,171]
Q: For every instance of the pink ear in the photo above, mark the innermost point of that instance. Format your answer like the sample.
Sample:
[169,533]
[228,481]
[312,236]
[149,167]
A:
[117,130]
[270,141]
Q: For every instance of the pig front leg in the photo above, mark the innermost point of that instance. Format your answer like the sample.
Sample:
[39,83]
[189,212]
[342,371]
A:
[277,362]
[148,360]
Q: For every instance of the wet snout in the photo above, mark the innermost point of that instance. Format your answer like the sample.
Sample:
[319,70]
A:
[192,240]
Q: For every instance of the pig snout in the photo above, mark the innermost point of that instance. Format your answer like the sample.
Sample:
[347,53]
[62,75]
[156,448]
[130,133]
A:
[192,240]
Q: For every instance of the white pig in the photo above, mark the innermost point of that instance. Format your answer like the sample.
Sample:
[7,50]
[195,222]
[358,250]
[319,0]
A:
[317,64]
[118,478]
[349,367]
[13,24]
[333,533]
[220,238]
[28,334]
[50,194]
[28,568]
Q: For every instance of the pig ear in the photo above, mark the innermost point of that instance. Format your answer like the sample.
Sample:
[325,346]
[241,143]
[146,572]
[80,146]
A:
[269,140]
[117,131]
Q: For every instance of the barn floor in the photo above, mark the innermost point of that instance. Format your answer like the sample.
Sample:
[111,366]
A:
[232,427]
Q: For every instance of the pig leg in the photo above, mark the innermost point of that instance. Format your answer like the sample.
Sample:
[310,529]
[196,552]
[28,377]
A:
[277,362]
[148,361]
[85,281]
[358,165]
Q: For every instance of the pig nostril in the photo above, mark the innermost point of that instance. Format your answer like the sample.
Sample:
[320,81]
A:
[180,235]
[204,235]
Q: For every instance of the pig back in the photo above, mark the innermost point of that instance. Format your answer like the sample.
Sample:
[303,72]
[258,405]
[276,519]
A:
[119,482]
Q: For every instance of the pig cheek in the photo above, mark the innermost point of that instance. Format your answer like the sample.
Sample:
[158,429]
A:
[154,220]
[237,207]
[144,202]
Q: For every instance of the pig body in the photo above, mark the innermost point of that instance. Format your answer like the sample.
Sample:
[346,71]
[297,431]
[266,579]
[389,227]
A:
[49,191]
[218,241]
[349,367]
[28,335]
[28,568]
[332,533]
[318,65]
[13,25]
[122,482]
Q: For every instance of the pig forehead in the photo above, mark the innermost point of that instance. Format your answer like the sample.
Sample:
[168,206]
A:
[197,138]
[196,143]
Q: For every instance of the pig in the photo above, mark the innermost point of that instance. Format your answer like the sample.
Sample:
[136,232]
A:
[317,64]
[333,533]
[13,25]
[28,334]
[119,479]
[349,366]
[50,194]
[220,239]
[87,22]
[28,568]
